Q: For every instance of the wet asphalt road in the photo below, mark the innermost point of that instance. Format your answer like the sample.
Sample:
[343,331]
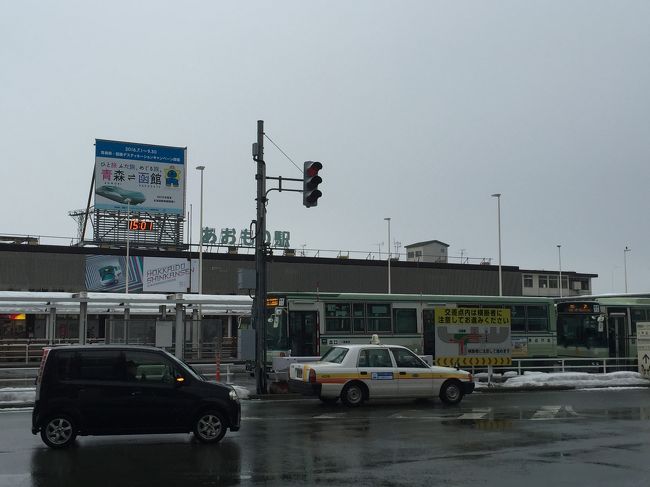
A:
[567,438]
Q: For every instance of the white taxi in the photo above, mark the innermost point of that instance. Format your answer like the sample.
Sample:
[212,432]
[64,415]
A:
[355,373]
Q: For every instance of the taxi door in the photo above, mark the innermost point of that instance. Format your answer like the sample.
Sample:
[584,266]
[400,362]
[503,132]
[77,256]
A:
[414,377]
[377,370]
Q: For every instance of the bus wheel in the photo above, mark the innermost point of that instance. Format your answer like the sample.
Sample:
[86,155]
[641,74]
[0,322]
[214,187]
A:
[353,395]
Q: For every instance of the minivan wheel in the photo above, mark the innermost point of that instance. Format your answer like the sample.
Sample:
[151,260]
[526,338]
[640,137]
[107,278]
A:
[210,427]
[58,432]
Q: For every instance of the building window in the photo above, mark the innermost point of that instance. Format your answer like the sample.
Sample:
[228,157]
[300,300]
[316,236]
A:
[565,282]
[528,280]
[411,254]
[418,253]
[552,282]
[543,281]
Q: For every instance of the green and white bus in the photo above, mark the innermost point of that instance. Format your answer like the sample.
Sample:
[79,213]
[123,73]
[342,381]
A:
[308,324]
[600,326]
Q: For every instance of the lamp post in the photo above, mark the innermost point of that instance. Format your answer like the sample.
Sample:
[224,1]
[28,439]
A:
[128,233]
[389,253]
[625,251]
[201,168]
[559,256]
[498,197]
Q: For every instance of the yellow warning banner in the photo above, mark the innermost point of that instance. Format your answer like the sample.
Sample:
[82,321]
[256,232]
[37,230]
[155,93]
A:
[473,316]
[478,361]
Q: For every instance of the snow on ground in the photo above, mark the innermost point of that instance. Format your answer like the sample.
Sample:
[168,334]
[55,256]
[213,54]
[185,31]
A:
[11,396]
[16,395]
[578,380]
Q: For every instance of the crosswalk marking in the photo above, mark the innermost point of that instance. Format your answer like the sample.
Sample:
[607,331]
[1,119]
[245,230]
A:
[546,412]
[476,414]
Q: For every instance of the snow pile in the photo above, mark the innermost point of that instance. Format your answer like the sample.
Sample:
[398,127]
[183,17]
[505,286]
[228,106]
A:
[17,395]
[242,392]
[576,379]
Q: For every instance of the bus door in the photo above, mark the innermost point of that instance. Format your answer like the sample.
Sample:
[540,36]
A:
[429,333]
[303,333]
[617,334]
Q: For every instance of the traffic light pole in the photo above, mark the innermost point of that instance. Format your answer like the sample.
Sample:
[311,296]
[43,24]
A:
[310,180]
[260,263]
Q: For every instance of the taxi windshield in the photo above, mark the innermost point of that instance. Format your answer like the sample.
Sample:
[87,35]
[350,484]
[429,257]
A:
[334,355]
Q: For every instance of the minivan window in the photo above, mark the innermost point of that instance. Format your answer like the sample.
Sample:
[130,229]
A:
[149,368]
[95,365]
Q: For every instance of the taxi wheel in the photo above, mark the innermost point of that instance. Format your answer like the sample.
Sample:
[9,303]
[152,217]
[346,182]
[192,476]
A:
[451,392]
[353,395]
[328,400]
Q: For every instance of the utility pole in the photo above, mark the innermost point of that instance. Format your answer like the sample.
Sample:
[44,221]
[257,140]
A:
[260,262]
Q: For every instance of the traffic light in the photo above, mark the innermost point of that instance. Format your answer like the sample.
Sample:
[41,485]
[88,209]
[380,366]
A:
[311,180]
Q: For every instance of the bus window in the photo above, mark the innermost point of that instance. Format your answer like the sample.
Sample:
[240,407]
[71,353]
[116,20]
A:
[405,320]
[518,316]
[358,318]
[337,317]
[537,318]
[378,317]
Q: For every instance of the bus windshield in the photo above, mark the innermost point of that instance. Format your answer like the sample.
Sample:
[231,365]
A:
[580,331]
[276,331]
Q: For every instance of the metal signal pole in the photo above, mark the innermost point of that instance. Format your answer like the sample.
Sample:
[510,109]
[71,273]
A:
[260,262]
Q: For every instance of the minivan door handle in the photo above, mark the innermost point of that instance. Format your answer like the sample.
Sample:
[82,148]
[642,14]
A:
[136,393]
[363,372]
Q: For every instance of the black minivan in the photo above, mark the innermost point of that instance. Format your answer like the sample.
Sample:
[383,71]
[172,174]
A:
[115,390]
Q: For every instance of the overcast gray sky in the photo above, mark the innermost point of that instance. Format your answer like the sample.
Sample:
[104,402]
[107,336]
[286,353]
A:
[418,110]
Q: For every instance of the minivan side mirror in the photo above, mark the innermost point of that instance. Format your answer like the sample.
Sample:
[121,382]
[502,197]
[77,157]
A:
[179,380]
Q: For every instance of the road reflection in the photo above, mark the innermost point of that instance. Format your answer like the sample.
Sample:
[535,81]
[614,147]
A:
[133,461]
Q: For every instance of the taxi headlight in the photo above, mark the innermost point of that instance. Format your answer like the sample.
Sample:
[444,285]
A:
[233,395]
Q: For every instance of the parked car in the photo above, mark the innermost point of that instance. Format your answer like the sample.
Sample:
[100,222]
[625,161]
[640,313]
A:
[356,373]
[115,390]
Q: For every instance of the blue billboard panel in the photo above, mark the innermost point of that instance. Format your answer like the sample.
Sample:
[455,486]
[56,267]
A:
[148,178]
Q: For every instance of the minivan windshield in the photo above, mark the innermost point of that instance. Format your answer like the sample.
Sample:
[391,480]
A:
[187,368]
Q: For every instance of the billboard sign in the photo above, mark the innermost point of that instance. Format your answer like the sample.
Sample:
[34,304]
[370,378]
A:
[107,273]
[473,336]
[149,178]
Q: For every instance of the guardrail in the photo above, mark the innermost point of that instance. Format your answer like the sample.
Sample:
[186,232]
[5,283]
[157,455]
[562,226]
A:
[14,376]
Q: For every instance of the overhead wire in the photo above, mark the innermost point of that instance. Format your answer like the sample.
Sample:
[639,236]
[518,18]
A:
[283,153]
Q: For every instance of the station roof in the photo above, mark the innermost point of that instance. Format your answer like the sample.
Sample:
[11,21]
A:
[43,302]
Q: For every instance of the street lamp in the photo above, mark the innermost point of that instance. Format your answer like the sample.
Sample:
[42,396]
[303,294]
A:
[201,168]
[498,197]
[559,256]
[388,220]
[625,251]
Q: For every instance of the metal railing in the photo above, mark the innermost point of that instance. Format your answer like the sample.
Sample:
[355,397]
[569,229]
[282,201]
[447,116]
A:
[25,376]
[566,364]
